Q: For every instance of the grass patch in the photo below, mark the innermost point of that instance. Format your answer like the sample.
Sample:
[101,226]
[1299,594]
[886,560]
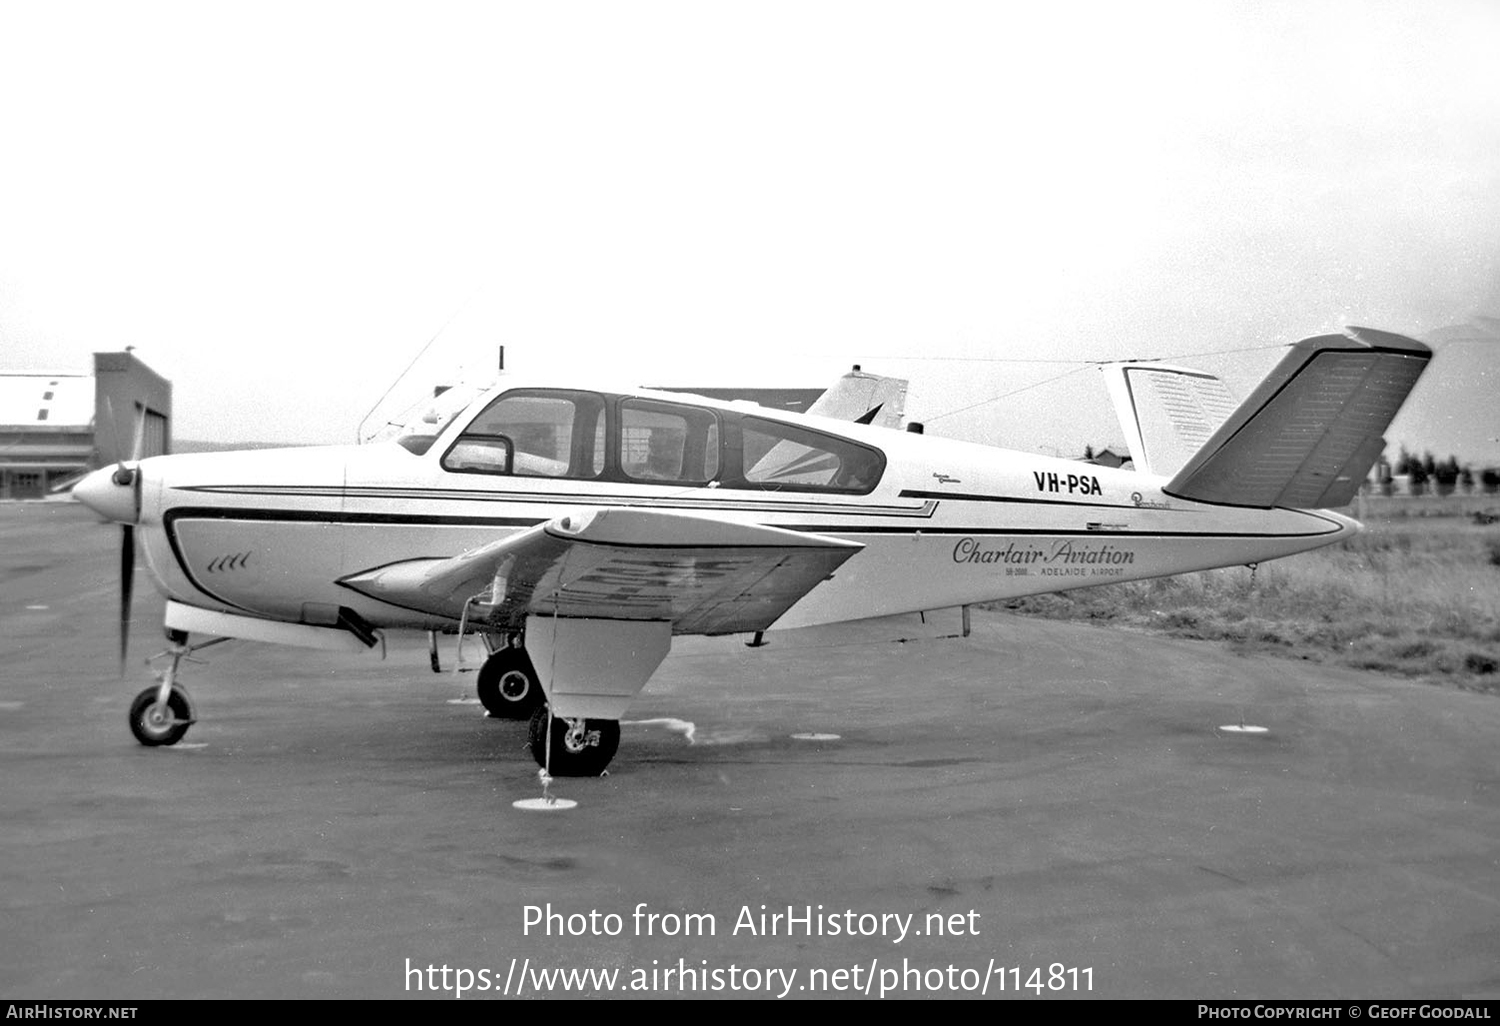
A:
[1415,596]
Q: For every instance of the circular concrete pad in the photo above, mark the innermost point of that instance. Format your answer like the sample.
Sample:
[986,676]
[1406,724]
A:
[545,804]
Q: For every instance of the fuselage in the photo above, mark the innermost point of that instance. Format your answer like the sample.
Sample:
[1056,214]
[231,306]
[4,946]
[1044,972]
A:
[267,533]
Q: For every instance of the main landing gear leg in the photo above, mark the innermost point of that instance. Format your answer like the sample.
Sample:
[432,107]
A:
[162,714]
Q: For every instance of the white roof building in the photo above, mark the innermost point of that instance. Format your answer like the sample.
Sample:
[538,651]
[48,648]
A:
[38,399]
[55,426]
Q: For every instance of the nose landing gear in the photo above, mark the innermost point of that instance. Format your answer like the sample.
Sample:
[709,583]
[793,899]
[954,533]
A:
[162,714]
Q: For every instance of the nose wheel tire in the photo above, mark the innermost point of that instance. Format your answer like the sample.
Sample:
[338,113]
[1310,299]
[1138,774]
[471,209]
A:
[580,748]
[155,725]
[508,688]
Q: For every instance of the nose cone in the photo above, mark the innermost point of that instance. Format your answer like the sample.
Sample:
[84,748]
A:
[105,495]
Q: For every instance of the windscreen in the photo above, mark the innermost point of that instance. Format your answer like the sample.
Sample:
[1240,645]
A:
[429,419]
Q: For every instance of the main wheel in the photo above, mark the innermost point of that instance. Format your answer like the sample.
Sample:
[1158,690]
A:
[153,725]
[580,748]
[508,687]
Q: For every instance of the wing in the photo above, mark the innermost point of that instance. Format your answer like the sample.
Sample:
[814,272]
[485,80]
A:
[705,576]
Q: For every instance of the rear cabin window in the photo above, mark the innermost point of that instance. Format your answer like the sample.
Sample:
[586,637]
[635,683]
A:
[780,455]
[666,442]
[534,434]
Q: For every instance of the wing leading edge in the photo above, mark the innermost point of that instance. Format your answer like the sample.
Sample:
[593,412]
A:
[704,576]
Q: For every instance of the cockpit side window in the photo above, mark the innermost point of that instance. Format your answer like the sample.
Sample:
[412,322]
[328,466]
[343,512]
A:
[533,433]
[662,441]
[783,456]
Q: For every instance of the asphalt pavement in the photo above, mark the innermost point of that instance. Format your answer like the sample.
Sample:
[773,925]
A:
[1041,803]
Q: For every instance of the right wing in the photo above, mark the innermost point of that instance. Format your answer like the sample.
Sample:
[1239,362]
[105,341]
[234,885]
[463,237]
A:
[705,576]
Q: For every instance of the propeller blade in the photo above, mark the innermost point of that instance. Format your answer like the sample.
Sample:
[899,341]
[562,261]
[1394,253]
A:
[124,474]
[127,583]
[140,435]
[114,428]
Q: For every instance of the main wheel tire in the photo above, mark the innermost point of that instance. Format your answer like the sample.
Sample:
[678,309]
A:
[153,727]
[575,753]
[508,687]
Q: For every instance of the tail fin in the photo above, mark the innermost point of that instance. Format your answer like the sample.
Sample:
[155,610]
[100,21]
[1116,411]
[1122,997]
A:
[1166,413]
[1308,435]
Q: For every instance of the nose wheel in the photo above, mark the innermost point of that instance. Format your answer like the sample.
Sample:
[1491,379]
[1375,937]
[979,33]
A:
[156,722]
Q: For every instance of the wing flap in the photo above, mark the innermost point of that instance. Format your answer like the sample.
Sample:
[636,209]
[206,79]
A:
[704,576]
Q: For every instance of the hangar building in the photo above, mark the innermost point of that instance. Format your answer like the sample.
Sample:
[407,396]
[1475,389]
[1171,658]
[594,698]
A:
[55,427]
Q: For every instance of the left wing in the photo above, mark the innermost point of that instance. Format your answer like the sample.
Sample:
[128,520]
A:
[704,576]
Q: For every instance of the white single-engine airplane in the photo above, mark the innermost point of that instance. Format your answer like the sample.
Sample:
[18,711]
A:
[578,531]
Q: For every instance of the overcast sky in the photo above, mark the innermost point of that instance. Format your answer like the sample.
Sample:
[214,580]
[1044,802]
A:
[280,204]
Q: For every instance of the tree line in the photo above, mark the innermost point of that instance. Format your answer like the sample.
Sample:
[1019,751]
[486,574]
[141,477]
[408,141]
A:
[1424,473]
[1442,476]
